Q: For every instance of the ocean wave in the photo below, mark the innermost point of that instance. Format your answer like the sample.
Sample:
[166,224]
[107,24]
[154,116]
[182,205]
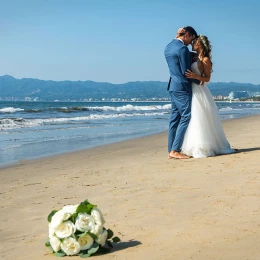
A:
[65,109]
[14,123]
[12,146]
[133,108]
[125,108]
[9,110]
[226,109]
[238,109]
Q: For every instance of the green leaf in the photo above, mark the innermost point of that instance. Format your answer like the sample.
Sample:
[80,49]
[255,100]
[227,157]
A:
[109,233]
[77,232]
[90,207]
[47,243]
[93,235]
[73,217]
[109,244]
[84,255]
[85,207]
[59,254]
[94,248]
[82,234]
[51,215]
[116,239]
[75,236]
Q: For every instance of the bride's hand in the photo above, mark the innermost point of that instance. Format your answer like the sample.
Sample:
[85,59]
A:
[180,31]
[190,75]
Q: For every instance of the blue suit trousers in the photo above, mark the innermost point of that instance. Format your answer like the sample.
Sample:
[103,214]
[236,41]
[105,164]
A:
[180,118]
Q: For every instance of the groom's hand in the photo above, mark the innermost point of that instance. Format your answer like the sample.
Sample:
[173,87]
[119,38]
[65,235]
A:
[190,74]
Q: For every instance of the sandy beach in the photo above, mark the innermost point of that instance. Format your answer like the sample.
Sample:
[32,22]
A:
[161,209]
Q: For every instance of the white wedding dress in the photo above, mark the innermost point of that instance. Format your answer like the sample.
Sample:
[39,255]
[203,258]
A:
[204,136]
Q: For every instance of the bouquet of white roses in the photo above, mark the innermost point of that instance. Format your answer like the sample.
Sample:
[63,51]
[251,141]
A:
[78,230]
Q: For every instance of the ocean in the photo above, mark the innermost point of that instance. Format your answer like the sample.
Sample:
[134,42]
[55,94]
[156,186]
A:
[31,130]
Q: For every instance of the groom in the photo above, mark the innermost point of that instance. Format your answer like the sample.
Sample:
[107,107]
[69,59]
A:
[179,61]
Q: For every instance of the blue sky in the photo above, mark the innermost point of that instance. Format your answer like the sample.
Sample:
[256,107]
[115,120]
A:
[120,41]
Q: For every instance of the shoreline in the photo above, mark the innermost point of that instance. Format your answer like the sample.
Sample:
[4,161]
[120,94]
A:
[57,155]
[15,163]
[171,209]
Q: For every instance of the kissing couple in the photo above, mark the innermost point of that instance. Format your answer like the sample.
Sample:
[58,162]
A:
[195,128]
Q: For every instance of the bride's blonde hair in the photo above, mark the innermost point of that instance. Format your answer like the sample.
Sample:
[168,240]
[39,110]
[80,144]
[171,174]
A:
[205,46]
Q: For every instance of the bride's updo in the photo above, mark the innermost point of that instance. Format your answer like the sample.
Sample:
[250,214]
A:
[205,46]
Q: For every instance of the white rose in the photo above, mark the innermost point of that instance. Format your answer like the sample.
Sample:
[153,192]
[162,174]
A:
[85,242]
[55,243]
[102,238]
[58,218]
[70,246]
[84,222]
[96,230]
[70,209]
[98,216]
[65,229]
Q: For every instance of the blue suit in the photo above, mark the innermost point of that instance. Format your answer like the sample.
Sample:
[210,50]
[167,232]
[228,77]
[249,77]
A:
[179,61]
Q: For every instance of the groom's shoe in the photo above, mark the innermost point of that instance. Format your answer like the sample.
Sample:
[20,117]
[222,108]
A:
[177,155]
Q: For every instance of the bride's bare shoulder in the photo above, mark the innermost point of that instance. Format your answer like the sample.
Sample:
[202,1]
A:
[206,60]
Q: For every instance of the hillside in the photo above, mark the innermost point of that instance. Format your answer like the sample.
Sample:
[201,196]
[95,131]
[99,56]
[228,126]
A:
[48,90]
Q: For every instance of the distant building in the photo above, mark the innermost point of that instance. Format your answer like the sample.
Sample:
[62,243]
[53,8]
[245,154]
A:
[238,94]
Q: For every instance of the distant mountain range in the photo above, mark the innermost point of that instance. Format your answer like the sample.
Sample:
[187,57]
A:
[48,90]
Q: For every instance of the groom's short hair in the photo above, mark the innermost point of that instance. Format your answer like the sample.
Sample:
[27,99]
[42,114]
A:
[190,30]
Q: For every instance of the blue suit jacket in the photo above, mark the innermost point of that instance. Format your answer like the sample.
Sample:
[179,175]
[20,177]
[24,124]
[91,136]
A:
[179,61]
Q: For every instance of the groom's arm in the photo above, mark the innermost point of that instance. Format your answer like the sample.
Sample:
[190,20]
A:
[184,56]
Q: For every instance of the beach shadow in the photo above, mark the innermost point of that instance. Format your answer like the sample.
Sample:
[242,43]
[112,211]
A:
[123,245]
[247,150]
[118,246]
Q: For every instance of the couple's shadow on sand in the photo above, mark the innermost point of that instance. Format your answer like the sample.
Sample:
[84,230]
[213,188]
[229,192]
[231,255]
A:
[246,150]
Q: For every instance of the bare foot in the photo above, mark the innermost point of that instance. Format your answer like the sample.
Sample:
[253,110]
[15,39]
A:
[177,155]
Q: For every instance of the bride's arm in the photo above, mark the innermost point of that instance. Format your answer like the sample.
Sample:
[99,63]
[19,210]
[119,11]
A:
[207,66]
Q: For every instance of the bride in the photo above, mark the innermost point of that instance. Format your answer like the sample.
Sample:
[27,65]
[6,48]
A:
[204,136]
